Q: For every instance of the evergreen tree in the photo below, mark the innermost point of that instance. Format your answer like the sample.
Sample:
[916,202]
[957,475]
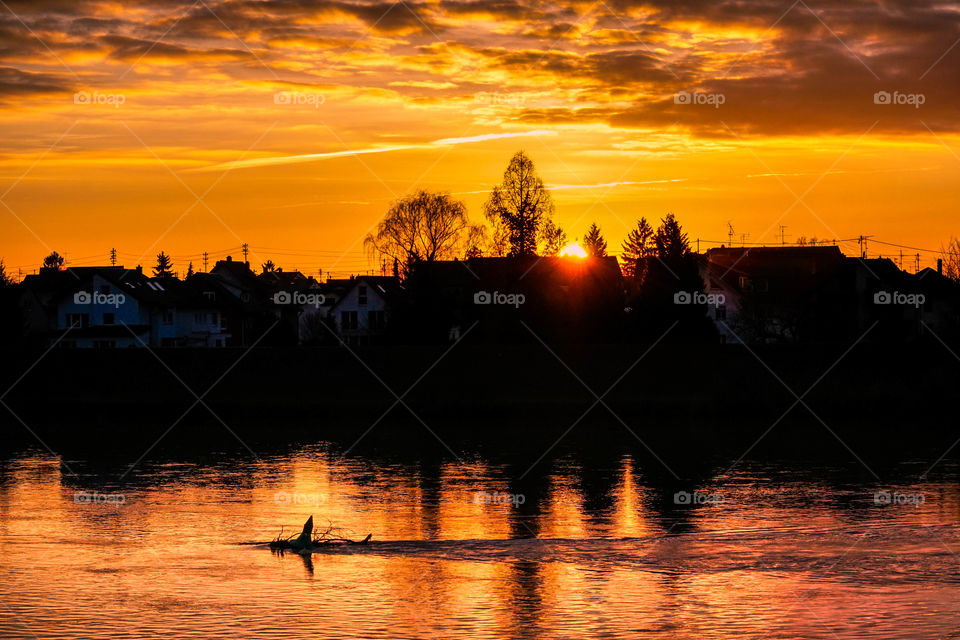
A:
[593,242]
[53,262]
[164,268]
[638,246]
[5,280]
[671,241]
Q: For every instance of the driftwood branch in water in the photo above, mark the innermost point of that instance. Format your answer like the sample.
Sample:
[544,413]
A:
[307,541]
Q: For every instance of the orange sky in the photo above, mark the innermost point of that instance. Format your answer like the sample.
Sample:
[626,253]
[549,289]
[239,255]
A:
[292,124]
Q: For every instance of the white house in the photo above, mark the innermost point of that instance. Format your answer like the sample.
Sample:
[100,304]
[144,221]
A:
[362,313]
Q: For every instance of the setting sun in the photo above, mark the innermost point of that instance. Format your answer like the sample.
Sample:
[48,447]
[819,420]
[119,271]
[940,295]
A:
[573,249]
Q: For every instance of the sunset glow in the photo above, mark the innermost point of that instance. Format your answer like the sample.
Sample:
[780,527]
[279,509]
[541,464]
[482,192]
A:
[192,127]
[573,250]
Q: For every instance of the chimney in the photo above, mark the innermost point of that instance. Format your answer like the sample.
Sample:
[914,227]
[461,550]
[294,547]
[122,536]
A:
[940,266]
[229,258]
[140,269]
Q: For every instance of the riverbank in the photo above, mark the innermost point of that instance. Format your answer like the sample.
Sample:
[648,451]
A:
[724,386]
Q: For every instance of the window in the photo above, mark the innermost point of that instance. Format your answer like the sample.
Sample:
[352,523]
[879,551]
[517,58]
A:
[210,295]
[168,342]
[348,320]
[214,320]
[199,318]
[376,320]
[104,344]
[108,318]
[168,316]
[362,295]
[78,320]
[752,284]
[721,312]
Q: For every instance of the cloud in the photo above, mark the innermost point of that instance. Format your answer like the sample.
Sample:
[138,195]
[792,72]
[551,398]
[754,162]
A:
[311,157]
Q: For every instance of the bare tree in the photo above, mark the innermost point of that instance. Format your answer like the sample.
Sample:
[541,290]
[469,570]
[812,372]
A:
[552,239]
[521,202]
[421,227]
[951,259]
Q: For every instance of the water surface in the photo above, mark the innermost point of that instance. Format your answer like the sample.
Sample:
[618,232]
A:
[475,547]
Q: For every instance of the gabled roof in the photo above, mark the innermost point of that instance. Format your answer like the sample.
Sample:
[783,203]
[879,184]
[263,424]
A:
[560,271]
[387,287]
[773,262]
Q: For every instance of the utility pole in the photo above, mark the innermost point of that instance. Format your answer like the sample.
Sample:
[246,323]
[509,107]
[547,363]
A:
[783,237]
[205,258]
[863,246]
[917,270]
[246,249]
[743,239]
[113,257]
[729,234]
[901,259]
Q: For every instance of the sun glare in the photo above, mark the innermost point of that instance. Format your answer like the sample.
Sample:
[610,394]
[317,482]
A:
[573,249]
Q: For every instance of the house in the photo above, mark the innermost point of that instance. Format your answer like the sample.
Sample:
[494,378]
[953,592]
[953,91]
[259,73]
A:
[113,307]
[567,299]
[362,312]
[244,299]
[816,294]
[775,294]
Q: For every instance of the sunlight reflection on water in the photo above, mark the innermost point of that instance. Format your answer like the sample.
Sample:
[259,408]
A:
[603,552]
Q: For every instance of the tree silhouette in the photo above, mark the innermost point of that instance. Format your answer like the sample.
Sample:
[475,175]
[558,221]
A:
[268,266]
[476,240]
[552,239]
[951,259]
[189,271]
[670,240]
[421,227]
[164,268]
[53,262]
[5,280]
[638,246]
[520,203]
[593,242]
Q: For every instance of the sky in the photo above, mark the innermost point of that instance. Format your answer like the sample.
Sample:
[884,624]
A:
[291,125]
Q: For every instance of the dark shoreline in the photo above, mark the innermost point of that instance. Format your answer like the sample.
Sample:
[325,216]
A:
[487,387]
